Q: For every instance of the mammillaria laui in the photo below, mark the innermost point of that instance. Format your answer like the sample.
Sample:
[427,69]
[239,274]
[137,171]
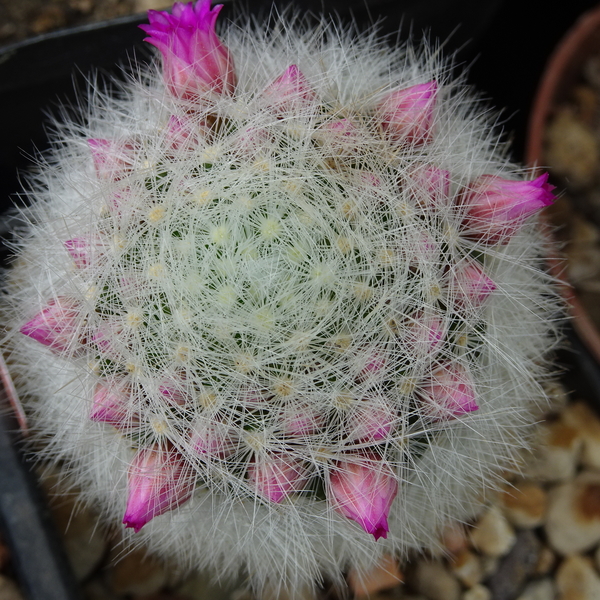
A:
[293,282]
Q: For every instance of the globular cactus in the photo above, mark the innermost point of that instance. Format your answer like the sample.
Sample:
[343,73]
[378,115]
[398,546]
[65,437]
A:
[279,305]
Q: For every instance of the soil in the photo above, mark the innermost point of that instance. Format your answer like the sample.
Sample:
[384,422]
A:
[22,19]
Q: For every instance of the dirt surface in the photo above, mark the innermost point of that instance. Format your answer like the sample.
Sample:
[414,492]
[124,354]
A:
[20,19]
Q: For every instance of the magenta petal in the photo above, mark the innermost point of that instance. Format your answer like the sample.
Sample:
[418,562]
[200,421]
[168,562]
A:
[159,481]
[195,61]
[111,404]
[497,207]
[289,90]
[276,476]
[212,438]
[448,392]
[407,115]
[470,285]
[112,160]
[363,489]
[56,326]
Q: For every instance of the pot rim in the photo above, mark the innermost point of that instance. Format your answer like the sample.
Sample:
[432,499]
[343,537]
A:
[576,45]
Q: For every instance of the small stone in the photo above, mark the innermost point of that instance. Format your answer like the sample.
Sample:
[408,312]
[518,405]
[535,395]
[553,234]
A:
[466,566]
[571,149]
[200,586]
[557,449]
[586,421]
[573,516]
[454,537]
[145,5]
[49,17]
[435,582]
[544,589]
[274,593]
[546,562]
[493,534]
[516,567]
[9,589]
[136,573]
[586,101]
[489,565]
[385,576]
[477,592]
[577,579]
[524,504]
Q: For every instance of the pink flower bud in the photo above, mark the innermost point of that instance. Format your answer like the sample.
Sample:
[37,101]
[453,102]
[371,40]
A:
[250,141]
[213,438]
[372,420]
[424,334]
[407,115]
[82,249]
[275,476]
[300,420]
[56,326]
[289,91]
[497,207]
[363,490]
[111,405]
[109,339]
[422,249]
[429,185]
[159,481]
[448,392]
[253,398]
[195,61]
[469,284]
[371,364]
[182,134]
[172,389]
[340,136]
[112,160]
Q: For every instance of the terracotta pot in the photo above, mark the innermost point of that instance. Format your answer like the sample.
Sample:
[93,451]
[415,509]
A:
[562,73]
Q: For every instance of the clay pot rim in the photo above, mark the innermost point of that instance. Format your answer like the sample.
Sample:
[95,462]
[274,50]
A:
[560,73]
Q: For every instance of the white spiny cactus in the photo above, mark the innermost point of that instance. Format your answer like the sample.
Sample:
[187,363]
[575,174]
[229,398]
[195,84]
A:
[281,301]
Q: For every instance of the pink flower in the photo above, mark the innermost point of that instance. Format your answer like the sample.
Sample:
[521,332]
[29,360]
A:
[195,61]
[159,481]
[56,326]
[448,392]
[213,438]
[497,207]
[112,160]
[110,405]
[363,490]
[373,420]
[288,91]
[275,476]
[407,115]
[470,285]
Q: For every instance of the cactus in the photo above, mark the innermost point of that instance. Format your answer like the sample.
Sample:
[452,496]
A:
[279,305]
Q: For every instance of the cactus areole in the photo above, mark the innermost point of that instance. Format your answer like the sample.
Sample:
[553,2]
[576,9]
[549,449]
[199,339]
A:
[282,297]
